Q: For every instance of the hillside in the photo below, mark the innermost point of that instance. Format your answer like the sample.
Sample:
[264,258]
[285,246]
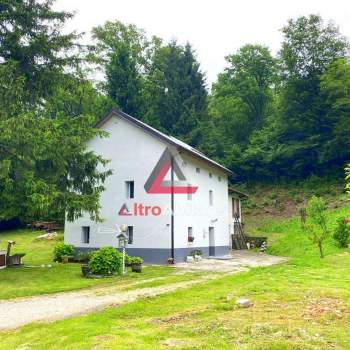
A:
[283,200]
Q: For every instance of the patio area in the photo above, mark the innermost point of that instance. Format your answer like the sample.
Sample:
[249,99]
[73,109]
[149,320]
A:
[236,261]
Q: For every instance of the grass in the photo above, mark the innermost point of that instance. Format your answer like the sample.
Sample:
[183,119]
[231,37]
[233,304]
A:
[304,304]
[35,279]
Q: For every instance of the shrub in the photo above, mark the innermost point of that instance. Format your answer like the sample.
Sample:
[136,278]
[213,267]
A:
[136,260]
[105,261]
[128,260]
[342,233]
[61,250]
[84,257]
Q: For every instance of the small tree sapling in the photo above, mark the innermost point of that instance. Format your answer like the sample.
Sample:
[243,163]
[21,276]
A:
[316,223]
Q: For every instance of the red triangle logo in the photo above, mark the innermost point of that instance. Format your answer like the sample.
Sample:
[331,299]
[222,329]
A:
[156,183]
[124,211]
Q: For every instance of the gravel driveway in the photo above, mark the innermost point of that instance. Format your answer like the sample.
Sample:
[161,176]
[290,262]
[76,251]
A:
[18,312]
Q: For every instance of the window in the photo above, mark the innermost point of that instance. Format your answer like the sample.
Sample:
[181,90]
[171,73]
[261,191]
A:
[235,207]
[190,237]
[189,193]
[219,178]
[130,234]
[129,189]
[210,175]
[211,198]
[86,234]
[198,170]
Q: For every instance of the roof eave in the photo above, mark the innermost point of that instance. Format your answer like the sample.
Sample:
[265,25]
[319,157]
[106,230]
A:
[158,134]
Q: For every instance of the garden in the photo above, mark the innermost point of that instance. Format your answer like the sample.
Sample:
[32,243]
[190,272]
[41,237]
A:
[40,274]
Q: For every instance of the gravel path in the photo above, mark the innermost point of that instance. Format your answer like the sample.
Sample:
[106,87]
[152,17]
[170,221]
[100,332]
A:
[18,312]
[21,311]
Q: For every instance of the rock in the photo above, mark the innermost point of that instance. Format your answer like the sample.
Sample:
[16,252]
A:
[244,303]
[190,259]
[49,236]
[197,258]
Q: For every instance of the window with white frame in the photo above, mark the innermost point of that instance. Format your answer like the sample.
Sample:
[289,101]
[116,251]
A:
[86,234]
[211,198]
[130,189]
[190,237]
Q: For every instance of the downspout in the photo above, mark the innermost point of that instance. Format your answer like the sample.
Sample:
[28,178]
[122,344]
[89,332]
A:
[172,250]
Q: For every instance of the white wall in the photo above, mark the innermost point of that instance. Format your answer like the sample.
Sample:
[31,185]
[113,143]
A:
[133,154]
[199,214]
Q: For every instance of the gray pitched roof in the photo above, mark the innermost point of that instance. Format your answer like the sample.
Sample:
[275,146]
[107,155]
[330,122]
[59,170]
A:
[168,139]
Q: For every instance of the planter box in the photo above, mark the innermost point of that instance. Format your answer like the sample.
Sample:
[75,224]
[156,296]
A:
[136,268]
[85,270]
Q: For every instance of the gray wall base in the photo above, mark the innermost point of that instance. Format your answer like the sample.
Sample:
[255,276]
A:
[160,256]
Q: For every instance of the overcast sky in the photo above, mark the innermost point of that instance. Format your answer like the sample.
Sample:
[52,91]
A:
[214,28]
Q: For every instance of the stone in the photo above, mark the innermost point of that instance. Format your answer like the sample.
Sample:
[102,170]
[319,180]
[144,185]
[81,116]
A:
[49,236]
[197,258]
[244,303]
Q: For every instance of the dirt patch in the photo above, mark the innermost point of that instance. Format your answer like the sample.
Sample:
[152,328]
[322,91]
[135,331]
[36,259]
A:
[178,317]
[325,307]
[175,343]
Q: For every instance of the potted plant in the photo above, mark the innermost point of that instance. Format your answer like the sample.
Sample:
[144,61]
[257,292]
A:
[85,270]
[171,261]
[136,264]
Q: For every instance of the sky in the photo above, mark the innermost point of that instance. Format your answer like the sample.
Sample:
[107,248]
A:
[214,28]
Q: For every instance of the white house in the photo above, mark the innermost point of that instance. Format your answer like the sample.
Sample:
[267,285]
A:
[172,197]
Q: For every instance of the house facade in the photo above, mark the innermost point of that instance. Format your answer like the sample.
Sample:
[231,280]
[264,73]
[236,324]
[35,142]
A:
[172,197]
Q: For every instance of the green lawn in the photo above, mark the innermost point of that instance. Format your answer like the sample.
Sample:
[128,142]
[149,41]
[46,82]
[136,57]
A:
[35,279]
[304,304]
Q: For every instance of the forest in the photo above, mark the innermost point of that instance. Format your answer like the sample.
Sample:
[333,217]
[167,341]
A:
[268,117]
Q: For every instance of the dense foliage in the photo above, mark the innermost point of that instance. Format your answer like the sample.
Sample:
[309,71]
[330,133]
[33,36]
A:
[105,261]
[266,118]
[342,233]
[62,250]
[47,111]
[302,130]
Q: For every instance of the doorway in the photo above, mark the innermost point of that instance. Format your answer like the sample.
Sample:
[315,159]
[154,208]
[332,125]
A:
[211,241]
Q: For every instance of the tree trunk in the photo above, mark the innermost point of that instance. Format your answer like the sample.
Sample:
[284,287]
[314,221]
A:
[321,249]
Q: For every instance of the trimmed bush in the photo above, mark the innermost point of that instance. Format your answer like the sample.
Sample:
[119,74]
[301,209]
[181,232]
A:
[342,233]
[61,250]
[105,261]
[135,260]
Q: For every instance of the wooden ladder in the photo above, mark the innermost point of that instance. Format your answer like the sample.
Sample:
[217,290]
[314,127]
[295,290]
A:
[238,238]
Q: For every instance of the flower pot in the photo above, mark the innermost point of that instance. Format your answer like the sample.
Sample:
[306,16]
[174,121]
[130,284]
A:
[136,268]
[65,259]
[85,270]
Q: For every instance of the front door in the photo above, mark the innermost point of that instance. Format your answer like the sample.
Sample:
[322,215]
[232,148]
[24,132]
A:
[211,241]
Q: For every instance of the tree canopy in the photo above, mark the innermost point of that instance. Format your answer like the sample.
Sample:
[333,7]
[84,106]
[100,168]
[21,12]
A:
[267,117]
